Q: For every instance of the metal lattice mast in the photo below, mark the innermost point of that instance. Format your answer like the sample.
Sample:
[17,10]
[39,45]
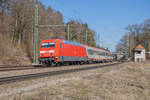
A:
[127,46]
[86,37]
[36,47]
[68,31]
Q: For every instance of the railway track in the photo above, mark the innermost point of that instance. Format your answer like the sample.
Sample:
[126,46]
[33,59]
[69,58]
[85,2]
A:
[4,68]
[25,67]
[14,66]
[6,80]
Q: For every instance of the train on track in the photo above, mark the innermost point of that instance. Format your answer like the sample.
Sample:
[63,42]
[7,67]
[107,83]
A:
[57,51]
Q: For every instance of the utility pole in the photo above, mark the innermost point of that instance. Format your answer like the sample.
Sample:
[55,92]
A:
[99,40]
[36,43]
[86,37]
[68,31]
[127,46]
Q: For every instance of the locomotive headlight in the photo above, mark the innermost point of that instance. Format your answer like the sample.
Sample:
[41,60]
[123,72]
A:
[42,51]
[41,54]
[51,51]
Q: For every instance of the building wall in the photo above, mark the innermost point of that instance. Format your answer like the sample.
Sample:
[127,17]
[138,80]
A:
[140,57]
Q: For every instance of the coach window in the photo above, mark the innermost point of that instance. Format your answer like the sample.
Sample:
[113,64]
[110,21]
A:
[103,53]
[106,54]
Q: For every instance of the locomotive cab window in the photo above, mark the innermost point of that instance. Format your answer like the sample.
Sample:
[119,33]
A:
[48,45]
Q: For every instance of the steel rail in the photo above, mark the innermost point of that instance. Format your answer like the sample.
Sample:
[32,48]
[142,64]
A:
[21,67]
[15,66]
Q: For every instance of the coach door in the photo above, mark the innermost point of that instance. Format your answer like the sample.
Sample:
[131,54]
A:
[61,58]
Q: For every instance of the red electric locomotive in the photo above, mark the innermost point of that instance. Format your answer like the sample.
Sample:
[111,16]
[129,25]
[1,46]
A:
[59,51]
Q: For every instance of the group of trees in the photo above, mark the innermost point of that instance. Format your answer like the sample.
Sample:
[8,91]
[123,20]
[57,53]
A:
[80,32]
[136,34]
[17,20]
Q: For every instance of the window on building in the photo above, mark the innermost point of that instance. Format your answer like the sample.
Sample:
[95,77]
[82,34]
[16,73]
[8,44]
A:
[138,52]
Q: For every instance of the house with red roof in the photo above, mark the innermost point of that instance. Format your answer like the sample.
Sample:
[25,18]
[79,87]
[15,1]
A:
[139,53]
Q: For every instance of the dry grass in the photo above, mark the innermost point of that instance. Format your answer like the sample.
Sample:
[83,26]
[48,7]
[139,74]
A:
[10,54]
[131,82]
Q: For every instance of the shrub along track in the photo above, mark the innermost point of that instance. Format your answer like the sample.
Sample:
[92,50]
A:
[6,80]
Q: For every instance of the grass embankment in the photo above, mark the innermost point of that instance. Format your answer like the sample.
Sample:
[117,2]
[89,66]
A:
[131,82]
[11,54]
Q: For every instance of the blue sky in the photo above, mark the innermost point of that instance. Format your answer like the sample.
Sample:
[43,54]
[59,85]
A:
[107,17]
